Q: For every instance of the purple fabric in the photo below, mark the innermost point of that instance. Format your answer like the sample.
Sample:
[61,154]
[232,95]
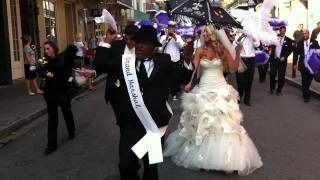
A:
[312,62]
[162,18]
[261,58]
[148,23]
[185,30]
[277,23]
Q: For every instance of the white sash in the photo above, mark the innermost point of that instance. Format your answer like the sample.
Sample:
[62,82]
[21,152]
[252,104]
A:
[151,142]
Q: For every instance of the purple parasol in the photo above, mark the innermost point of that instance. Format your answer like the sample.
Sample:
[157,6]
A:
[185,30]
[162,18]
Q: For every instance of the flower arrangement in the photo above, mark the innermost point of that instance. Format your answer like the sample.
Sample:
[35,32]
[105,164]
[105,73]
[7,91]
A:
[42,70]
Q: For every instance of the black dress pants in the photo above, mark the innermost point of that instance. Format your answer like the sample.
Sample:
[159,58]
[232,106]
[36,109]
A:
[129,162]
[277,67]
[175,87]
[245,79]
[52,108]
[306,83]
[263,70]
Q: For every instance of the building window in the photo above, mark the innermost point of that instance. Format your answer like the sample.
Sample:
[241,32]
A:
[15,32]
[50,20]
[138,5]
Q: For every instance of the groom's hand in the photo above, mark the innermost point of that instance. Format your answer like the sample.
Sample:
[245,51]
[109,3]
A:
[187,88]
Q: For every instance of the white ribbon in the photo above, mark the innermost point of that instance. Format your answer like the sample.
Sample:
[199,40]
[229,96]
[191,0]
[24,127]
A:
[151,142]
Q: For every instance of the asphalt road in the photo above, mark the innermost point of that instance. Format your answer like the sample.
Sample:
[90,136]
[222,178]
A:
[284,129]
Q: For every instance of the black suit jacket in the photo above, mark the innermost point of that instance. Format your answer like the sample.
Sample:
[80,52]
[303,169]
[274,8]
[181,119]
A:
[299,55]
[103,55]
[287,49]
[155,92]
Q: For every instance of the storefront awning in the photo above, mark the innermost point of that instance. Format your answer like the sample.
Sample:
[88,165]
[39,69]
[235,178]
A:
[138,15]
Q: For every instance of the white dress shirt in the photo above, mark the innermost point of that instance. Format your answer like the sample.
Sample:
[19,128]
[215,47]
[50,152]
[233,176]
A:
[172,46]
[148,64]
[279,47]
[80,46]
[248,50]
[306,44]
[104,44]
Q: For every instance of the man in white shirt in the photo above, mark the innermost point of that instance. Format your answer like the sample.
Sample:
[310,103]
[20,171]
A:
[245,79]
[172,43]
[302,50]
[197,41]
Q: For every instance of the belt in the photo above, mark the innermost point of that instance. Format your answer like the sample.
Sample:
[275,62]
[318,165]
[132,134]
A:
[247,58]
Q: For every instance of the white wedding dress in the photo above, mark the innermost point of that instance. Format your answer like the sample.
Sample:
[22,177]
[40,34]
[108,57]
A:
[210,135]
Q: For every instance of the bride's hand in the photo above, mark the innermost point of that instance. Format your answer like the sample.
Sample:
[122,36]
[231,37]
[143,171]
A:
[238,49]
[187,88]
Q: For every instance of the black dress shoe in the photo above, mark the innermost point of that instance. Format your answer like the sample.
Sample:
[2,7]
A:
[271,92]
[71,136]
[306,100]
[262,80]
[278,93]
[247,103]
[50,150]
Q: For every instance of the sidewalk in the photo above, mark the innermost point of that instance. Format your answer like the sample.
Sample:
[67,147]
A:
[315,86]
[17,109]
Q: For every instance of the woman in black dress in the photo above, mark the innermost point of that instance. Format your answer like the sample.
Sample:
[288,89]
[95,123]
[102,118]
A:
[57,90]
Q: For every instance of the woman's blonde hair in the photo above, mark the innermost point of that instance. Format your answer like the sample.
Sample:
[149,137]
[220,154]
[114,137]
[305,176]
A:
[216,43]
[79,37]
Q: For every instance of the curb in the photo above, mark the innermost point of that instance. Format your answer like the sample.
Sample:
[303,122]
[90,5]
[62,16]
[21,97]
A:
[23,121]
[292,82]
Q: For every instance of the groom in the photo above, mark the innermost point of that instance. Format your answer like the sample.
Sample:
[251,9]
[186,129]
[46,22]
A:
[154,72]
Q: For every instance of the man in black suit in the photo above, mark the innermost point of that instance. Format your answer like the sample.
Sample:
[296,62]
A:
[154,72]
[302,50]
[278,61]
[104,53]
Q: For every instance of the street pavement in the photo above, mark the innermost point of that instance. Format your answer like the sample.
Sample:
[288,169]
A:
[16,104]
[284,129]
[17,109]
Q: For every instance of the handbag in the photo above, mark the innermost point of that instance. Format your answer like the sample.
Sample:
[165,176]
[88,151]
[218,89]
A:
[80,79]
[73,87]
[242,66]
[33,68]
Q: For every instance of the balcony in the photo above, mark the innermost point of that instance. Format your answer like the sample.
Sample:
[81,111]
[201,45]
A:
[125,3]
[151,7]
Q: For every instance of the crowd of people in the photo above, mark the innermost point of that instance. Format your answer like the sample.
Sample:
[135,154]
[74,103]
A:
[191,68]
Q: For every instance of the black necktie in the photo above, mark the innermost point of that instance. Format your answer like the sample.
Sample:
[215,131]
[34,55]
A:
[142,71]
[143,75]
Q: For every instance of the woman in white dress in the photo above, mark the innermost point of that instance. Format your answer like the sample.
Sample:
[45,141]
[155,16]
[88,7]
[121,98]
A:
[210,135]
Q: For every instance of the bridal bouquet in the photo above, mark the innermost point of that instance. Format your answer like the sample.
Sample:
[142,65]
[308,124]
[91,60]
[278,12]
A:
[42,70]
[42,66]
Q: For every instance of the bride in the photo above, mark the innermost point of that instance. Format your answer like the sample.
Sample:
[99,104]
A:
[210,135]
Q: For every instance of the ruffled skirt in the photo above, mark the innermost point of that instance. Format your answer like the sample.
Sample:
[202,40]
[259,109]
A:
[210,135]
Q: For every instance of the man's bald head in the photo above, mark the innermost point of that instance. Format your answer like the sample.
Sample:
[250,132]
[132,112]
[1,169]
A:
[306,34]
